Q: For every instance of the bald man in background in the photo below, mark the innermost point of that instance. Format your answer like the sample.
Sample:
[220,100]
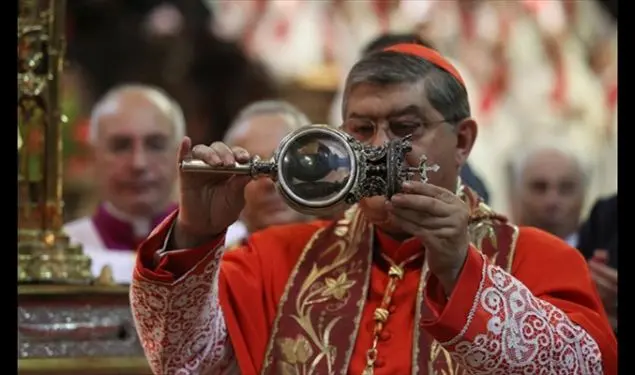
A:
[548,189]
[134,134]
[259,128]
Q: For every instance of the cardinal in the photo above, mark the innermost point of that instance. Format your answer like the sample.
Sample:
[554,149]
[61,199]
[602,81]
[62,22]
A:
[430,281]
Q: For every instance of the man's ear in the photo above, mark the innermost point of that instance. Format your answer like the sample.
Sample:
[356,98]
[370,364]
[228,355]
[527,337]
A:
[466,132]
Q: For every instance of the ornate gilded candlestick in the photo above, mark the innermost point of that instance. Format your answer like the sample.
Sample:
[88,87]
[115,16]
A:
[44,251]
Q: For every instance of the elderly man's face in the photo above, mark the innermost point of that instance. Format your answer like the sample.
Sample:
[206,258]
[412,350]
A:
[550,194]
[260,135]
[135,156]
[376,113]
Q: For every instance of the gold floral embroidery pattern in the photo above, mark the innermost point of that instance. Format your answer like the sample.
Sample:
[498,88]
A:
[328,283]
[438,355]
[312,288]
[337,288]
[482,222]
[481,231]
[296,353]
[328,288]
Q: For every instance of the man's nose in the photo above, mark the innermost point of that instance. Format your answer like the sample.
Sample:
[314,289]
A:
[380,138]
[139,159]
[552,197]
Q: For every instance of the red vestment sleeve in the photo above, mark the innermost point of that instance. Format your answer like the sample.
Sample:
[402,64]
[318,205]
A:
[198,314]
[173,264]
[175,306]
[545,315]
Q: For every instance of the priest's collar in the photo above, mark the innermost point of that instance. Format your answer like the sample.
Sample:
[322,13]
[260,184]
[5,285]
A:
[121,231]
[141,226]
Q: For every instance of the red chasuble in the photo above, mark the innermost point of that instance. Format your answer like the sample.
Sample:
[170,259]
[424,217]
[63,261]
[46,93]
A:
[301,299]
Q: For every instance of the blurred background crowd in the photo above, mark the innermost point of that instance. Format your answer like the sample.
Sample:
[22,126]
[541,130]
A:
[541,75]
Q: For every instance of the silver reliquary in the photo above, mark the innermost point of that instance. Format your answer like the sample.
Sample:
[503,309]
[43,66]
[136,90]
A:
[319,169]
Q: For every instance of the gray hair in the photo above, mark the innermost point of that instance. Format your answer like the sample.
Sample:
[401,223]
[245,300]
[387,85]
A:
[444,92]
[166,104]
[523,156]
[294,117]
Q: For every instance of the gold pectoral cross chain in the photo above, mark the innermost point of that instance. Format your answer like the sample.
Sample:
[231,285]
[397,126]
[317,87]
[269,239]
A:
[380,316]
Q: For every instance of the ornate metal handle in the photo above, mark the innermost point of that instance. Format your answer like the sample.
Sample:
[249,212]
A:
[255,168]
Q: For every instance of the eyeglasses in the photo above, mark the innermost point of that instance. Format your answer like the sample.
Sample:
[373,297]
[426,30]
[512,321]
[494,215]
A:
[365,130]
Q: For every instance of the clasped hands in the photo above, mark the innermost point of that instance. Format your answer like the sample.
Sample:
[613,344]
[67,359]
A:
[439,218]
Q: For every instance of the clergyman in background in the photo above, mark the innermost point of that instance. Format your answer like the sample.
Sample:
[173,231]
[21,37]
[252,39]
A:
[134,134]
[548,184]
[259,129]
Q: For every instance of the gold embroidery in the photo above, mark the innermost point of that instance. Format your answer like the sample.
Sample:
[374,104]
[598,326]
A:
[438,353]
[295,352]
[480,231]
[381,313]
[283,299]
[481,225]
[512,250]
[341,231]
[306,297]
[337,288]
[329,283]
[417,332]
[317,326]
